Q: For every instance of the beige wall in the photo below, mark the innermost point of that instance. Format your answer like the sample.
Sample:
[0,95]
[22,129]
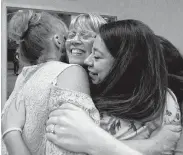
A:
[165,17]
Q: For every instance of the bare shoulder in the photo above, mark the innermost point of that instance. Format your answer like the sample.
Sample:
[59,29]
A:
[74,78]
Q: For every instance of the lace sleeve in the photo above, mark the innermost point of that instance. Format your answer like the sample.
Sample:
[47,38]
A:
[59,96]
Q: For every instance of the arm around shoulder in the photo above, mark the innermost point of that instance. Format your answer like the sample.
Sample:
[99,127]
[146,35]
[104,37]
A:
[106,144]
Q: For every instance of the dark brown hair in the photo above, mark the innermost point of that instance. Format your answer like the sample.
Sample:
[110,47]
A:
[136,87]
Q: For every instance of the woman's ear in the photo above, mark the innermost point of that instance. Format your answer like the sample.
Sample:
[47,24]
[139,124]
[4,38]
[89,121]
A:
[57,41]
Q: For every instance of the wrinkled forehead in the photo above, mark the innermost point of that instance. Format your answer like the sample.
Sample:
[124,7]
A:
[81,24]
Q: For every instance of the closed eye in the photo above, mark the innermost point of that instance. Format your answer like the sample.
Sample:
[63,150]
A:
[96,57]
[71,35]
[86,35]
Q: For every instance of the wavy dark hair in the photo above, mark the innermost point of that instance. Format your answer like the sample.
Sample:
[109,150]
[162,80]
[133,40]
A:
[136,86]
[174,63]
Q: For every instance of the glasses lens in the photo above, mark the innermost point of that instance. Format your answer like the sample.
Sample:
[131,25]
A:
[71,34]
[84,35]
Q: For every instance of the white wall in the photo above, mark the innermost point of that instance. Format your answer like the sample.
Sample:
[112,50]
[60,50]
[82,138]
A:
[165,17]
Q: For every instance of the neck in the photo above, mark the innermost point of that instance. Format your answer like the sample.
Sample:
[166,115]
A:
[51,59]
[44,59]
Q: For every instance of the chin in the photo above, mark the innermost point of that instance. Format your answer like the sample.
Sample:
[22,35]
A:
[95,82]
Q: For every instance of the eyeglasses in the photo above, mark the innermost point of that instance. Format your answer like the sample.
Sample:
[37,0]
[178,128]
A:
[84,35]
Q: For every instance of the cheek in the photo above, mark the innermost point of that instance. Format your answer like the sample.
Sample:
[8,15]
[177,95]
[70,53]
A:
[88,46]
[105,69]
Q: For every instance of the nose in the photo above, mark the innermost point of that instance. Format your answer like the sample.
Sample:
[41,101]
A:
[75,40]
[89,61]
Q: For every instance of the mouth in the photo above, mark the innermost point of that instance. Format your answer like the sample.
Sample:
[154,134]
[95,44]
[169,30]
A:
[92,74]
[76,52]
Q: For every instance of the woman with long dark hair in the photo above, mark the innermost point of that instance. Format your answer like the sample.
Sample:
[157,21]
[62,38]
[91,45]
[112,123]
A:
[128,70]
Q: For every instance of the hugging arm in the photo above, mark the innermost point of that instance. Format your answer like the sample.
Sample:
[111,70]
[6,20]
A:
[164,142]
[98,142]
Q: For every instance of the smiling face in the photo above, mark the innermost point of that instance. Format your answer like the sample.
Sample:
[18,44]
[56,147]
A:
[79,45]
[99,62]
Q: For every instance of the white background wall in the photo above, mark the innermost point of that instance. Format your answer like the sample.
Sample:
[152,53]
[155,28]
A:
[165,17]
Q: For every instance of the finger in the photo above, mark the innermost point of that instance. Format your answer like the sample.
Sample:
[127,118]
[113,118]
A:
[50,128]
[52,137]
[59,130]
[56,128]
[57,112]
[52,120]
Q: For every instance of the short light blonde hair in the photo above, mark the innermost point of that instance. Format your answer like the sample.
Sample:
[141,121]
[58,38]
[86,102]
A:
[89,21]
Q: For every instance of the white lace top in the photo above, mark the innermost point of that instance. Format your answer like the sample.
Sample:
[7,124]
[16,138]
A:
[35,87]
